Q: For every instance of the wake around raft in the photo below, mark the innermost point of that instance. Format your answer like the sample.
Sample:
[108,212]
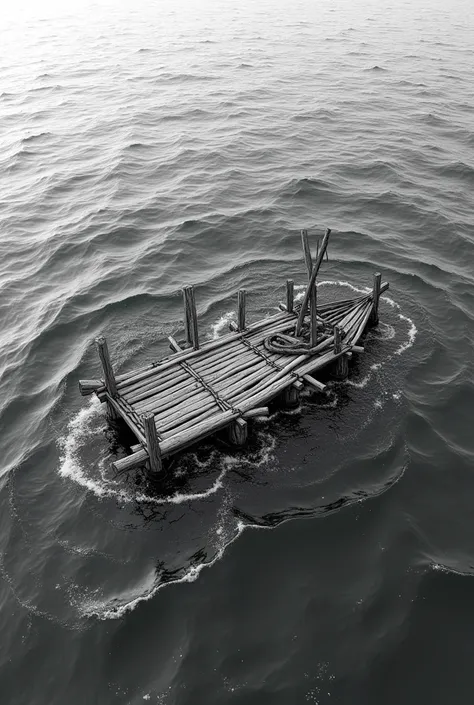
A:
[177,401]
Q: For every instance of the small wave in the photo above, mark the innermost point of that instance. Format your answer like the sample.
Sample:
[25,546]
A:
[376,68]
[413,330]
[458,170]
[222,325]
[301,288]
[120,605]
[361,384]
[385,331]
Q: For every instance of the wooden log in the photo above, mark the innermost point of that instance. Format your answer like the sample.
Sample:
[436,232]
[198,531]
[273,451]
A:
[187,319]
[238,431]
[337,340]
[233,326]
[160,403]
[319,386]
[156,385]
[307,252]
[152,444]
[312,281]
[169,424]
[208,414]
[357,349]
[103,350]
[374,317]
[235,391]
[161,408]
[361,325]
[241,310]
[253,413]
[227,381]
[180,405]
[89,386]
[290,295]
[174,345]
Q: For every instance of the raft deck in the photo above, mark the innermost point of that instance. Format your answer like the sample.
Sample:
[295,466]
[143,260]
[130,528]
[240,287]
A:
[185,397]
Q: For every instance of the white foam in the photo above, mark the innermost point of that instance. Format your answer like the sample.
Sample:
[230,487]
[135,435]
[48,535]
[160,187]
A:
[412,331]
[386,331]
[301,288]
[222,324]
[348,285]
[360,384]
[390,302]
[82,428]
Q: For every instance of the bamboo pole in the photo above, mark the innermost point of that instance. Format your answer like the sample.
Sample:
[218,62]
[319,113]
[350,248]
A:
[312,281]
[241,310]
[307,252]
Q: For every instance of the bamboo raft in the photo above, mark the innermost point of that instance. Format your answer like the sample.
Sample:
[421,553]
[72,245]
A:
[200,389]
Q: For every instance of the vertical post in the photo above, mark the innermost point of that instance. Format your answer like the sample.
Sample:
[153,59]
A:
[291,396]
[238,432]
[290,295]
[374,316]
[192,316]
[152,443]
[187,321]
[307,251]
[241,310]
[341,365]
[313,311]
[109,376]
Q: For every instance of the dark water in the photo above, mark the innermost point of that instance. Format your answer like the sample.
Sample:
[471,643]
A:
[145,146]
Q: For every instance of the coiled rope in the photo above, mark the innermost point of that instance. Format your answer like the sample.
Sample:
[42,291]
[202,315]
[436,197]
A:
[291,345]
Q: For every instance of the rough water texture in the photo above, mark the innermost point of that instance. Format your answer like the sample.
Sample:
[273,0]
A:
[145,146]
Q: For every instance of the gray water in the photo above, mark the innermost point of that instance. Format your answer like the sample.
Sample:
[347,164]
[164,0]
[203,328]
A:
[149,145]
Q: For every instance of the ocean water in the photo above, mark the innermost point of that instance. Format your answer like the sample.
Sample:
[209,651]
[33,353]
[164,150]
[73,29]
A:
[149,145]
